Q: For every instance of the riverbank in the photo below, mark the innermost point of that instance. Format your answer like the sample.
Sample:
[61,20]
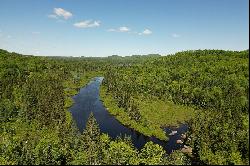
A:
[72,87]
[155,114]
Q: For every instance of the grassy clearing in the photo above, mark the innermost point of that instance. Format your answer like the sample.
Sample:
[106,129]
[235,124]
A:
[154,114]
[165,113]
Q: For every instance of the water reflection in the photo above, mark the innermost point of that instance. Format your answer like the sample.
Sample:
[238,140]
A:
[87,100]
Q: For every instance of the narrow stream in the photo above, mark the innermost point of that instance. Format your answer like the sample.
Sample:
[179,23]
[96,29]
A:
[87,100]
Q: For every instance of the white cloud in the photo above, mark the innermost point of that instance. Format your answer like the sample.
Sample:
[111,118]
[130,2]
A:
[64,13]
[147,32]
[60,13]
[128,30]
[87,24]
[176,35]
[9,36]
[120,29]
[124,29]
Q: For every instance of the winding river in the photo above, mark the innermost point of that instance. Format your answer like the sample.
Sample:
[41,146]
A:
[87,100]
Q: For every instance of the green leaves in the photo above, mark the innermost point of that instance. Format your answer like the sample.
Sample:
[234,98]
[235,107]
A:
[43,99]
[91,141]
[120,153]
[218,139]
[152,154]
[177,158]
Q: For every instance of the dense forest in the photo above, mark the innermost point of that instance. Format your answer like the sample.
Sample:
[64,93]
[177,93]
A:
[214,82]
[207,89]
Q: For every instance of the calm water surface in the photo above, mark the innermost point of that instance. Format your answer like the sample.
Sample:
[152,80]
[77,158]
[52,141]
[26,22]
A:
[87,100]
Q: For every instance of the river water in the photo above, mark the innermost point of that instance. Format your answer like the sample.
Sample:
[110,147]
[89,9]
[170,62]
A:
[87,100]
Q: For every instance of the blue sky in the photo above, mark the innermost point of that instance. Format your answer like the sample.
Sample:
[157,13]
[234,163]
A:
[123,27]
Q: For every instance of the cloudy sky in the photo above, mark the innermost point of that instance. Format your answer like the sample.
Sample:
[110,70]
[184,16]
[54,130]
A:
[123,27]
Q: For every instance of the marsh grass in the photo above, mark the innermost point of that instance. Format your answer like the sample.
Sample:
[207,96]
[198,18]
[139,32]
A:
[155,114]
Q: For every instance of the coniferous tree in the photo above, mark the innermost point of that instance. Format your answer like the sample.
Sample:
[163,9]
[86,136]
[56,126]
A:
[91,140]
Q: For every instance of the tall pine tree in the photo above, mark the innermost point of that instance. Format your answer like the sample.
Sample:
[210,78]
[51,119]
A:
[91,141]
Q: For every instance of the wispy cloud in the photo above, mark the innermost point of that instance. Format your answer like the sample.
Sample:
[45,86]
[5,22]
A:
[128,30]
[124,29]
[60,13]
[146,32]
[64,13]
[87,24]
[120,29]
[174,35]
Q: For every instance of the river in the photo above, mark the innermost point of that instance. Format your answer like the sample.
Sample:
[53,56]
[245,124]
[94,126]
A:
[88,100]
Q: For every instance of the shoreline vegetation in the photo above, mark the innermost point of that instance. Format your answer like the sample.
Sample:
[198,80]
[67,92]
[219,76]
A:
[156,114]
[72,87]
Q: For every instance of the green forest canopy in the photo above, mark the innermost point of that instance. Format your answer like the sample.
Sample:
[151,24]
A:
[35,92]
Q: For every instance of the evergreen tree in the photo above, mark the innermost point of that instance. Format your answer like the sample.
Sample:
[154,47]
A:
[91,141]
